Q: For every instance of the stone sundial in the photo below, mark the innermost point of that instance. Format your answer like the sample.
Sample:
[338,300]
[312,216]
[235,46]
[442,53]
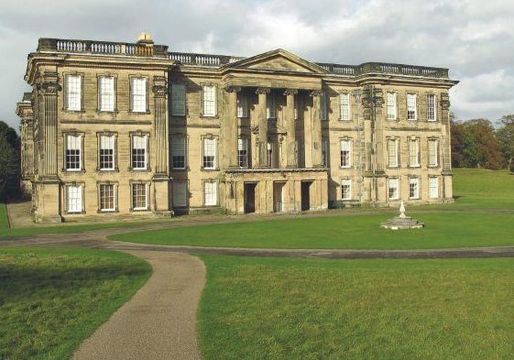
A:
[402,221]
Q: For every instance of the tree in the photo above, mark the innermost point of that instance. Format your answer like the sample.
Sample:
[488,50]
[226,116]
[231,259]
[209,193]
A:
[505,136]
[474,145]
[9,162]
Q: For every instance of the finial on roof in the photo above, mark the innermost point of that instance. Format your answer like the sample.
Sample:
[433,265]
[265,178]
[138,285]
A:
[145,37]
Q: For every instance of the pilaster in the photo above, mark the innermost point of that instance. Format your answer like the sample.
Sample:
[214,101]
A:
[291,146]
[49,88]
[316,158]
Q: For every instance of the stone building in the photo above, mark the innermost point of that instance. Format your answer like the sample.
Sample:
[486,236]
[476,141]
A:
[131,129]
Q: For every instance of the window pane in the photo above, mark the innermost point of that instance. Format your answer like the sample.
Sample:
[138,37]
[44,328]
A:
[394,192]
[391,106]
[107,197]
[179,193]
[74,196]
[139,196]
[431,107]
[139,151]
[106,93]
[346,189]
[345,153]
[392,150]
[138,94]
[211,193]
[178,100]
[411,107]
[209,100]
[178,152]
[270,106]
[345,106]
[209,153]
[413,153]
[107,152]
[414,188]
[74,91]
[73,150]
[432,152]
[242,152]
[242,105]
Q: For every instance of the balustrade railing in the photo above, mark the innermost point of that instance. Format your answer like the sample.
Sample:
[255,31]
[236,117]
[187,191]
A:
[114,48]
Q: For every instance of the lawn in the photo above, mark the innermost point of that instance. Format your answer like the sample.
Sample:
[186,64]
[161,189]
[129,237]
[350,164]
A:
[483,215]
[269,308]
[51,299]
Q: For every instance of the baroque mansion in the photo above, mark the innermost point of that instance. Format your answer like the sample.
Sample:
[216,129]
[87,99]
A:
[131,129]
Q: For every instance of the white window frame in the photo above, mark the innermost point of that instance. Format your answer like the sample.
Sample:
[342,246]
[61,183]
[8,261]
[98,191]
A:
[74,204]
[242,105]
[242,152]
[414,181]
[209,149]
[178,100]
[73,92]
[391,106]
[433,187]
[114,195]
[393,183]
[431,108]
[210,193]
[342,148]
[178,150]
[138,94]
[102,143]
[344,107]
[392,158]
[412,107]
[209,101]
[107,93]
[133,148]
[77,146]
[132,196]
[346,183]
[433,153]
[178,191]
[414,154]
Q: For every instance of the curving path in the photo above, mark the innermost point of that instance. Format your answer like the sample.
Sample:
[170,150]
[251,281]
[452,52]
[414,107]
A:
[159,321]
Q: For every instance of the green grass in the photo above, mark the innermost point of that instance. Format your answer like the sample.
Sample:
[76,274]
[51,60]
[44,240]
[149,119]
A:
[270,308]
[481,216]
[51,299]
[4,221]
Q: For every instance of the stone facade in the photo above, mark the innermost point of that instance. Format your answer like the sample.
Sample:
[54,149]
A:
[186,132]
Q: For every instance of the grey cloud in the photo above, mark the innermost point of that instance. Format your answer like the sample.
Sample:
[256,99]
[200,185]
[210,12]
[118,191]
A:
[474,39]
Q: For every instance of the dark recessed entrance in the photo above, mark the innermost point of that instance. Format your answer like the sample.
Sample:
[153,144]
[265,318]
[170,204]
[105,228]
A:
[306,196]
[249,198]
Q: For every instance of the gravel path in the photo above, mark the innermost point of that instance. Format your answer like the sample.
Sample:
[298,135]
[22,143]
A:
[159,321]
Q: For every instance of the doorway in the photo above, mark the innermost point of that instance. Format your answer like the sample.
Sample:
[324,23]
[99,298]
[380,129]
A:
[249,198]
[306,196]
[278,197]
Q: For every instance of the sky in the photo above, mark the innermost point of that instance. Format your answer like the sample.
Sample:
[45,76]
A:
[473,38]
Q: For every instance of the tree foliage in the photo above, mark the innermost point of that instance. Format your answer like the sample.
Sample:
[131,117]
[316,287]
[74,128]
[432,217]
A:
[505,136]
[474,145]
[9,162]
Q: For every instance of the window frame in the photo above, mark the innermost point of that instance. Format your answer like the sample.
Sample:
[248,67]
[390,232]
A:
[348,183]
[214,101]
[271,105]
[173,139]
[133,186]
[342,105]
[215,156]
[435,155]
[434,118]
[147,151]
[242,106]
[430,187]
[67,187]
[114,195]
[396,142]
[182,102]
[349,156]
[393,106]
[414,181]
[213,183]
[132,79]
[100,102]
[415,109]
[417,164]
[66,92]
[81,137]
[173,189]
[242,146]
[114,153]
[389,187]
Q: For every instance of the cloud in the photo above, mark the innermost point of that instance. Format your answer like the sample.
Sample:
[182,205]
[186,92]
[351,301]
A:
[474,39]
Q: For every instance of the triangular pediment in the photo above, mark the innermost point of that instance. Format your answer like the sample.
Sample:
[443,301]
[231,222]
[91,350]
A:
[277,60]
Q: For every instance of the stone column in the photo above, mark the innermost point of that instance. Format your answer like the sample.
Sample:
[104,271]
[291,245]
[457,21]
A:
[229,128]
[291,146]
[263,126]
[316,157]
[50,87]
[161,176]
[446,159]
